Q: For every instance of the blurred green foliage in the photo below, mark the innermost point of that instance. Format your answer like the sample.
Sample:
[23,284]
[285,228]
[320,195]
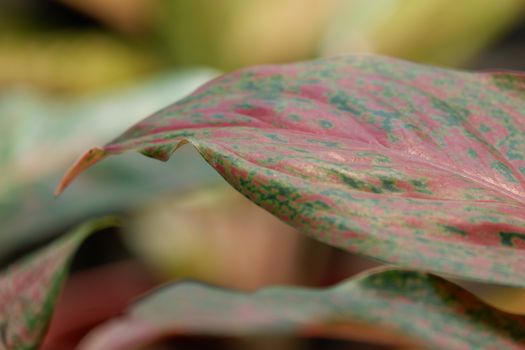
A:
[39,136]
[89,44]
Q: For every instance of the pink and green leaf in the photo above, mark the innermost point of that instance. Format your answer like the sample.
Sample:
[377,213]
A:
[413,165]
[408,307]
[29,289]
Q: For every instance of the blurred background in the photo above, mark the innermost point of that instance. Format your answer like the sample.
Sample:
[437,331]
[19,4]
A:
[76,73]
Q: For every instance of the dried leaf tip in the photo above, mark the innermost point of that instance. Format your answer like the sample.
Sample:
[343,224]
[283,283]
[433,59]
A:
[87,160]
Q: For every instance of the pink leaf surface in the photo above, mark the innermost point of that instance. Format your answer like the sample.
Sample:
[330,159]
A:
[413,165]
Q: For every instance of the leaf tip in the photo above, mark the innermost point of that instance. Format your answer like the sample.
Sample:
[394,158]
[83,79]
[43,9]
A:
[87,160]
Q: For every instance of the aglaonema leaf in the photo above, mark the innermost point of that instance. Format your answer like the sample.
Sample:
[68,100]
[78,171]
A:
[29,288]
[413,165]
[425,309]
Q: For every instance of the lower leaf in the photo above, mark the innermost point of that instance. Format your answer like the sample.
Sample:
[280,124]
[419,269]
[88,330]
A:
[427,309]
[29,288]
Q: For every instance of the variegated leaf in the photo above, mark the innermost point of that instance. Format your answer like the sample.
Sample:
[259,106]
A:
[391,306]
[30,288]
[413,165]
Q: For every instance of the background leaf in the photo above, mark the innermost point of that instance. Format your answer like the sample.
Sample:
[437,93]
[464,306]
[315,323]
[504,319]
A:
[412,165]
[405,28]
[29,288]
[33,127]
[429,309]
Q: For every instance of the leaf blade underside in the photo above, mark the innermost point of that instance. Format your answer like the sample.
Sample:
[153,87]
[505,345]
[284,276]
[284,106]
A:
[409,164]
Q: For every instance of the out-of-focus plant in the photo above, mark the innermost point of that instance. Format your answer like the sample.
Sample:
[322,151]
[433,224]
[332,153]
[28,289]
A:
[216,235]
[147,36]
[64,59]
[236,33]
[438,32]
[39,135]
[52,61]
[409,164]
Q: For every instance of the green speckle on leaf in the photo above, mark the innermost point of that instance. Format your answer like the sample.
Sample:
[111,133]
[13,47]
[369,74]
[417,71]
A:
[455,230]
[484,128]
[507,237]
[342,102]
[504,170]
[325,124]
[421,186]
[472,153]
[389,185]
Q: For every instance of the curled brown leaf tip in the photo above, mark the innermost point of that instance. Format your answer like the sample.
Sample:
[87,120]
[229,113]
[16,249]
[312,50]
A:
[86,161]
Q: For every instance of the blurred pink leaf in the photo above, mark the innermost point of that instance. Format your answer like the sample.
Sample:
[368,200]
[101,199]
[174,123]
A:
[393,307]
[29,288]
